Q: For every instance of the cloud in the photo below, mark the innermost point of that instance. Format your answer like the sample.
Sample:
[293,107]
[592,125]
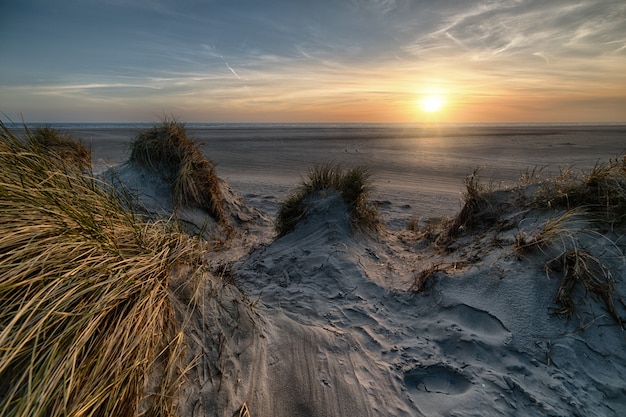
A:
[328,55]
[588,28]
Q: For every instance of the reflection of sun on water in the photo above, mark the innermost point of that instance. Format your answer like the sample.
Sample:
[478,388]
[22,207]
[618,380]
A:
[431,104]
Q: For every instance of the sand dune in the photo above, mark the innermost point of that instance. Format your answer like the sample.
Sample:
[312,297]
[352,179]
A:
[502,307]
[330,326]
[482,342]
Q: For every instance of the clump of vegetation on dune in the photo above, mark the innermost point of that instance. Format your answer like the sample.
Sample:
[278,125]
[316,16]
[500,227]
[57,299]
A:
[477,205]
[63,148]
[601,191]
[85,311]
[572,223]
[590,204]
[166,151]
[354,186]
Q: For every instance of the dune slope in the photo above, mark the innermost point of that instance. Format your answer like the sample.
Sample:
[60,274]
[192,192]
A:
[343,334]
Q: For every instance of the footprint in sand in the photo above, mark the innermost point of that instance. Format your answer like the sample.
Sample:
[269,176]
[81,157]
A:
[436,379]
[479,323]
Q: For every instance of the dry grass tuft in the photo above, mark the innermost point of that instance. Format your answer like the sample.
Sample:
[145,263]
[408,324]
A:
[85,313]
[168,152]
[561,226]
[531,176]
[63,148]
[477,203]
[354,186]
[581,269]
[422,279]
[243,411]
[602,191]
[582,206]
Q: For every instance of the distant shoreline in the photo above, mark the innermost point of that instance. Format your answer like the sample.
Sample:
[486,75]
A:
[321,125]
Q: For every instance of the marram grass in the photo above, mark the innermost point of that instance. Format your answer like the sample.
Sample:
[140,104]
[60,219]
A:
[85,314]
[601,191]
[353,184]
[166,150]
[61,147]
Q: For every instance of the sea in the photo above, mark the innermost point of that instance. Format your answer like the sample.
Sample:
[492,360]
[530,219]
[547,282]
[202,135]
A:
[417,169]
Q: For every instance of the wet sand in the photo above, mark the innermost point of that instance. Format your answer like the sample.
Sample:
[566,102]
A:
[416,172]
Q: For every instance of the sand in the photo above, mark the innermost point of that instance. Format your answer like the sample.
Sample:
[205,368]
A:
[322,322]
[415,173]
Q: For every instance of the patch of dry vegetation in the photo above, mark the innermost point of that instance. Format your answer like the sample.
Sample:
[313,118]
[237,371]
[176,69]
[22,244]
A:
[85,311]
[63,148]
[477,204]
[580,269]
[166,151]
[589,203]
[353,184]
[601,191]
[563,225]
[423,278]
[572,217]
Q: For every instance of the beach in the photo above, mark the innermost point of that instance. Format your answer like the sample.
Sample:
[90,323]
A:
[313,209]
[417,171]
[481,275]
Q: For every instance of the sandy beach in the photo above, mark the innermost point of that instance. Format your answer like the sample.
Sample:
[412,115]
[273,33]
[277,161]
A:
[417,171]
[368,208]
[334,328]
[476,297]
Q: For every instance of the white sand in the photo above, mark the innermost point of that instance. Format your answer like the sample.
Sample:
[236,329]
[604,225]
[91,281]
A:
[345,337]
[324,324]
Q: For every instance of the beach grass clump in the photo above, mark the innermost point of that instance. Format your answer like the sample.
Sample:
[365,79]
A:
[354,185]
[423,278]
[601,191]
[477,204]
[86,320]
[165,150]
[62,147]
[578,266]
[561,226]
[580,269]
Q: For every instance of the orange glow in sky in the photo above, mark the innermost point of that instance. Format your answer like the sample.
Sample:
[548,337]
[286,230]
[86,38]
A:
[431,104]
[357,61]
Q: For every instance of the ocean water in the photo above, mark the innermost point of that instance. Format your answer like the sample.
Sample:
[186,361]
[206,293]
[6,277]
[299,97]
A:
[416,169]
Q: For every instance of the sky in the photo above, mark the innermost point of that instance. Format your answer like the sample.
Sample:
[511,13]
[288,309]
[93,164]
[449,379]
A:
[408,61]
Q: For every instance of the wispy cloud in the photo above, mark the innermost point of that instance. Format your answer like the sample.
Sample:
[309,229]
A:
[311,61]
[586,29]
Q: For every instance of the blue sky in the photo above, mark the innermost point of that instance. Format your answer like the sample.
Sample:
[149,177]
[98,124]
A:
[313,61]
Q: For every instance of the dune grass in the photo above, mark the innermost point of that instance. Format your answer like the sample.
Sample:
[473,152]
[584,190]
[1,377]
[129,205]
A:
[61,147]
[596,197]
[477,202]
[85,313]
[244,411]
[422,278]
[166,151]
[560,226]
[601,191]
[353,184]
[579,268]
[576,207]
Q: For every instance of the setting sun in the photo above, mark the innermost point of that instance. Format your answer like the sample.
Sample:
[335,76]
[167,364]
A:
[431,104]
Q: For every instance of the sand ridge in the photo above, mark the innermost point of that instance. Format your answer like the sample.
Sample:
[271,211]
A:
[323,322]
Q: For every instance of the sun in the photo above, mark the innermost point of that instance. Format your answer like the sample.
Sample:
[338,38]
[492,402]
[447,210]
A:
[432,104]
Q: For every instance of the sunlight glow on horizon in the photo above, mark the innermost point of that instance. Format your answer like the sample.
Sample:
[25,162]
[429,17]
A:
[389,61]
[432,103]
